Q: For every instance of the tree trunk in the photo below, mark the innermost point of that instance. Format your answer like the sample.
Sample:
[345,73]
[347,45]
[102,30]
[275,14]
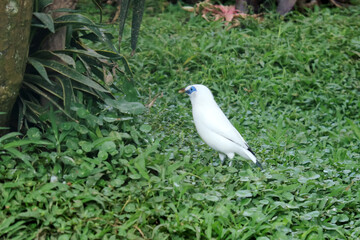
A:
[15,20]
[244,6]
[56,41]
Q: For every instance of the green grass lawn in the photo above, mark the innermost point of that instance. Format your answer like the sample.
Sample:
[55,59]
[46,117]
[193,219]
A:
[291,86]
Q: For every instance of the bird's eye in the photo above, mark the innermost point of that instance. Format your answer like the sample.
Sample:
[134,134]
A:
[191,90]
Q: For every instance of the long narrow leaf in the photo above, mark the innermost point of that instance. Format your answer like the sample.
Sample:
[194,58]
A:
[68,94]
[354,127]
[88,53]
[138,11]
[69,19]
[9,135]
[73,74]
[21,113]
[102,37]
[43,4]
[23,157]
[23,142]
[39,68]
[46,19]
[33,111]
[85,89]
[115,56]
[38,81]
[123,14]
[37,90]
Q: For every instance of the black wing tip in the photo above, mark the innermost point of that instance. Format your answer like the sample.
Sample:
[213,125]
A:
[257,162]
[250,150]
[259,165]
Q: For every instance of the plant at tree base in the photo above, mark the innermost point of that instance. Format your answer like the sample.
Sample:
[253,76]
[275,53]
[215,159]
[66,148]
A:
[77,74]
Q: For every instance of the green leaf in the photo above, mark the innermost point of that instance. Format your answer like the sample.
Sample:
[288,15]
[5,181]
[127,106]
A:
[73,19]
[52,87]
[138,11]
[25,158]
[108,146]
[90,53]
[43,4]
[23,142]
[34,133]
[73,74]
[145,128]
[67,90]
[102,37]
[40,69]
[46,19]
[354,127]
[122,18]
[198,196]
[97,4]
[310,215]
[243,193]
[9,135]
[45,95]
[126,107]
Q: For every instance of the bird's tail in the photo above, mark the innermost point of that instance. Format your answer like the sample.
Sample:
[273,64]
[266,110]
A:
[251,156]
[259,164]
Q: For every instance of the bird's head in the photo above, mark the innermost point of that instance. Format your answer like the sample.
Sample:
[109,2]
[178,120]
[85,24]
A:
[189,90]
[197,91]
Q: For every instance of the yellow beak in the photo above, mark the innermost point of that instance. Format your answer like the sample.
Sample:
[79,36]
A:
[181,90]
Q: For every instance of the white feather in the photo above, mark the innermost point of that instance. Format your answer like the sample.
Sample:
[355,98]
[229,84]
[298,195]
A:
[214,127]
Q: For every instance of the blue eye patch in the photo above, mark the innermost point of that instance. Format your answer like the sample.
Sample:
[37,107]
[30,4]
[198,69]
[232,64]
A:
[191,89]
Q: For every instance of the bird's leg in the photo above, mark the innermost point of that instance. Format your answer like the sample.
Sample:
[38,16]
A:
[230,156]
[222,158]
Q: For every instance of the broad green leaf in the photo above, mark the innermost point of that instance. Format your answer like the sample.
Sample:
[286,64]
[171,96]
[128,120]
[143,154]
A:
[310,215]
[243,193]
[126,107]
[145,128]
[198,196]
[34,133]
[108,146]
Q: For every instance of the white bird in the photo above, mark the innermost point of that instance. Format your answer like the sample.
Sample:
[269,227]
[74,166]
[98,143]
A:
[214,127]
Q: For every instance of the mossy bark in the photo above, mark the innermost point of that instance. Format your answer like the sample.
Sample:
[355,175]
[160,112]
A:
[15,21]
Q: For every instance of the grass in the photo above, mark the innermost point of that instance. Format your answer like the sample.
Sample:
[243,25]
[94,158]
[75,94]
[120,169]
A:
[290,86]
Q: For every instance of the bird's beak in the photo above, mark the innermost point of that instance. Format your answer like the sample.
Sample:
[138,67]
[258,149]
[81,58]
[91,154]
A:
[181,90]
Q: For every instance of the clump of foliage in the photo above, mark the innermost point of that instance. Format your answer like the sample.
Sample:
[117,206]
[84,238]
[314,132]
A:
[291,88]
[76,74]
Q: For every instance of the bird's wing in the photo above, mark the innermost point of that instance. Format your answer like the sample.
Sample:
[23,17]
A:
[215,120]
